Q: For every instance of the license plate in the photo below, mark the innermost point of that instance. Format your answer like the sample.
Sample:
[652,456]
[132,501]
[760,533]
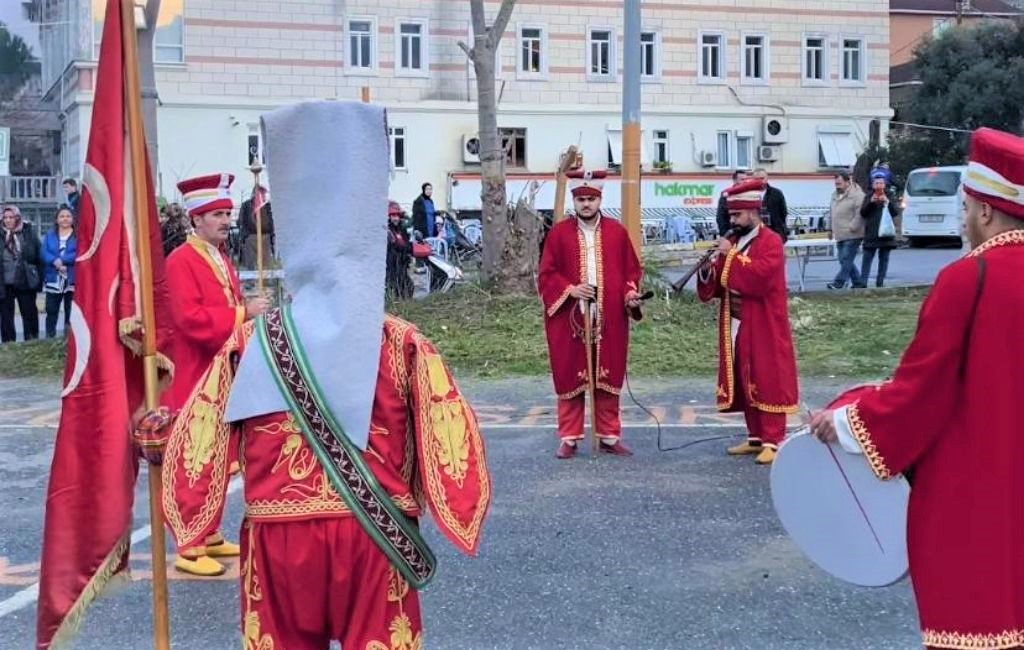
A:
[931,218]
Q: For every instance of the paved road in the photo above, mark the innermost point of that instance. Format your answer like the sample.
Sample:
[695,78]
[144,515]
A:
[665,550]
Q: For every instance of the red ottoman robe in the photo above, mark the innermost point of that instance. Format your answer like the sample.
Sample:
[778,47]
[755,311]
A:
[950,415]
[618,272]
[206,308]
[767,369]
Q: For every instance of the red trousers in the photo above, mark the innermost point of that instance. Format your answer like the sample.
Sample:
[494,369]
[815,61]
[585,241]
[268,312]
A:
[571,411]
[306,583]
[766,428]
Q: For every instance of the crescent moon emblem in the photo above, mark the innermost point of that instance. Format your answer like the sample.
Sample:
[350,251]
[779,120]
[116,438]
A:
[83,347]
[94,181]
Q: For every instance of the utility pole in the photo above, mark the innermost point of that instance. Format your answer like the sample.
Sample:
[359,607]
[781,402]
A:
[961,7]
[631,124]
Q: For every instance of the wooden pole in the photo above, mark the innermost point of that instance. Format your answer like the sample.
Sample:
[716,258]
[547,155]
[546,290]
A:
[570,160]
[256,168]
[588,340]
[631,125]
[141,202]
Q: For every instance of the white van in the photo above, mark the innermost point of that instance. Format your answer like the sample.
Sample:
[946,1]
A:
[933,204]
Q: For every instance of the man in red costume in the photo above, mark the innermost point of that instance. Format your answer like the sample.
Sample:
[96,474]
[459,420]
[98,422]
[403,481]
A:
[949,416]
[589,269]
[206,307]
[757,365]
[351,425]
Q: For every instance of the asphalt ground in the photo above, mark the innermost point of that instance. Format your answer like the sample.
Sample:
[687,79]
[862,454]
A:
[664,550]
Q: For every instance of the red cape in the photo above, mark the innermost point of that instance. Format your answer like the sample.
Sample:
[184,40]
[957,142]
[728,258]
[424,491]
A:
[619,272]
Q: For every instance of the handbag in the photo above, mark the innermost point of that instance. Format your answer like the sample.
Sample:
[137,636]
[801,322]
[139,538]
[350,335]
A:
[421,250]
[32,280]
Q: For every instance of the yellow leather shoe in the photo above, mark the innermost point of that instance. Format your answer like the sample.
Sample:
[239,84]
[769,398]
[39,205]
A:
[766,457]
[202,565]
[223,549]
[745,448]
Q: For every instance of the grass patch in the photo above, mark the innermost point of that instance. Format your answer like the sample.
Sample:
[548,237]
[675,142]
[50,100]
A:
[33,358]
[853,335]
[857,336]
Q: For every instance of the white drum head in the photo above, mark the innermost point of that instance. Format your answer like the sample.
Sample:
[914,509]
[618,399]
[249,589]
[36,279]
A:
[839,513]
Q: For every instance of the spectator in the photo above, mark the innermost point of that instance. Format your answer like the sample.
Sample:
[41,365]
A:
[22,276]
[871,211]
[399,284]
[174,226]
[247,231]
[722,216]
[847,229]
[60,248]
[71,192]
[774,204]
[423,212]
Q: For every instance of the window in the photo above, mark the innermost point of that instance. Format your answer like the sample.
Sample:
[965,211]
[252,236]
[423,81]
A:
[724,159]
[853,60]
[650,61]
[411,48]
[712,64]
[940,25]
[169,39]
[661,151]
[835,149]
[362,45]
[513,141]
[397,137]
[744,150]
[815,61]
[532,52]
[600,57]
[254,145]
[755,58]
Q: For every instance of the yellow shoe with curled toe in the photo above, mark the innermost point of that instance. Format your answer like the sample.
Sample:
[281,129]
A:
[745,448]
[223,548]
[767,456]
[201,565]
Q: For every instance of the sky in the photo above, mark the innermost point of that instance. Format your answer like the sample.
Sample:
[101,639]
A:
[11,15]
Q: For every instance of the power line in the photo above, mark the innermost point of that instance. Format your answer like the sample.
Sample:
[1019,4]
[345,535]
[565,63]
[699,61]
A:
[930,127]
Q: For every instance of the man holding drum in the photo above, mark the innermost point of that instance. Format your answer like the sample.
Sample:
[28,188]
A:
[949,417]
[749,278]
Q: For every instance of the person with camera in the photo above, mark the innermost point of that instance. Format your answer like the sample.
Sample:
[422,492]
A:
[22,269]
[879,229]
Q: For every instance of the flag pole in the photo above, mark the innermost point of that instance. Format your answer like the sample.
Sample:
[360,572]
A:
[257,207]
[140,198]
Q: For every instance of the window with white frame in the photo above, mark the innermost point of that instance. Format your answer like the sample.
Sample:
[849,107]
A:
[650,55]
[724,149]
[853,60]
[396,135]
[815,59]
[411,47]
[513,142]
[600,53]
[712,56]
[755,58]
[362,44]
[744,150]
[532,52]
[661,150]
[940,25]
[169,38]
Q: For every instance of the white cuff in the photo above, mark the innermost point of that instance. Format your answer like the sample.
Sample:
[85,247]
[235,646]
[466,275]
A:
[845,432]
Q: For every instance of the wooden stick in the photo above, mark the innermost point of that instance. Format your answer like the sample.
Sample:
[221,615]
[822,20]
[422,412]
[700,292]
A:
[568,162]
[256,168]
[141,198]
[588,340]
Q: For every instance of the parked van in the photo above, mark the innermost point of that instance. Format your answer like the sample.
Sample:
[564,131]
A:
[933,204]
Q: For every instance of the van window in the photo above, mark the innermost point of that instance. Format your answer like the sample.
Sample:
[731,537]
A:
[933,183]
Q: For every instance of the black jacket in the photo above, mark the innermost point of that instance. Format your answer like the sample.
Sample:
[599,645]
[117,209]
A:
[871,212]
[31,255]
[722,216]
[778,213]
[419,215]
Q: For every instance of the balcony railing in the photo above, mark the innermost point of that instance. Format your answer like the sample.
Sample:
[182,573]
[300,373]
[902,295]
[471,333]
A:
[31,189]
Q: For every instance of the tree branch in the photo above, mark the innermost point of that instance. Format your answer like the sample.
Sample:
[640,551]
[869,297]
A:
[476,10]
[501,22]
[469,52]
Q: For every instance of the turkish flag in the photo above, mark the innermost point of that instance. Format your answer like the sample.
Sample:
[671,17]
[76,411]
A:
[95,463]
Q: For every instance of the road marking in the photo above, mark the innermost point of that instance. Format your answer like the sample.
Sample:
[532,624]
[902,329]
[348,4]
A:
[30,594]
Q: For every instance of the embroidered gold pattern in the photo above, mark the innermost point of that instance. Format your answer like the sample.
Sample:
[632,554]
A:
[403,636]
[727,267]
[396,359]
[967,641]
[253,637]
[229,291]
[863,436]
[202,424]
[1008,238]
[449,425]
[725,393]
[555,306]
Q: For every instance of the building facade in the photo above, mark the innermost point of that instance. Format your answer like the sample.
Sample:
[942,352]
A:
[727,84]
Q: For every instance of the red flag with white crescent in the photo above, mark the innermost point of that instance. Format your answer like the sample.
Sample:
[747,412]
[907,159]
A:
[95,464]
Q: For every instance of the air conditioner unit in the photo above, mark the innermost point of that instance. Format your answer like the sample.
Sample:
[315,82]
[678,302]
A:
[708,158]
[767,154]
[775,131]
[470,148]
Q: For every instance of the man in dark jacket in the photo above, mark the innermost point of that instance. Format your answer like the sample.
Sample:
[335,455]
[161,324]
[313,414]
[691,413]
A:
[423,212]
[722,215]
[72,194]
[774,206]
[247,232]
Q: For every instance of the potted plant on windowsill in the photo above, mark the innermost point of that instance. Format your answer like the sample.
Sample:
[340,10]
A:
[663,166]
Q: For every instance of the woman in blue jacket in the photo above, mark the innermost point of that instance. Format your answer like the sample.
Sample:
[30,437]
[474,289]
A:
[59,252]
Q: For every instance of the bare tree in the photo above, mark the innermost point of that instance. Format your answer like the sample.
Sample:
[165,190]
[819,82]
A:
[509,256]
